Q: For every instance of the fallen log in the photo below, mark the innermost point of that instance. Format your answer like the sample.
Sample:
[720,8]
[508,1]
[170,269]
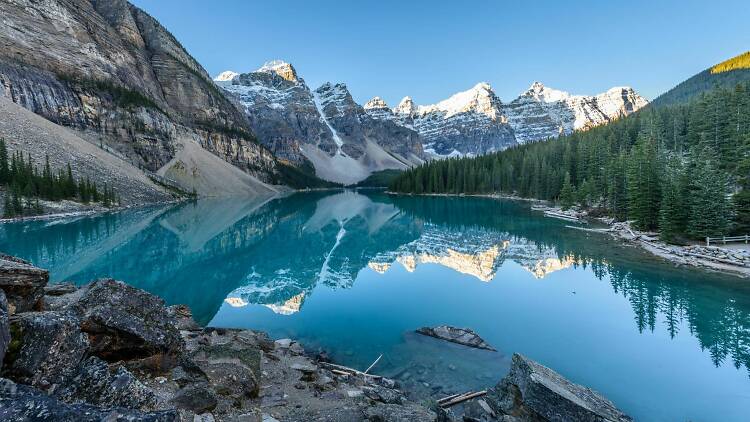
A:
[448,398]
[462,398]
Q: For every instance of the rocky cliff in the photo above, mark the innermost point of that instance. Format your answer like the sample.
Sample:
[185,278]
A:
[476,122]
[324,127]
[113,73]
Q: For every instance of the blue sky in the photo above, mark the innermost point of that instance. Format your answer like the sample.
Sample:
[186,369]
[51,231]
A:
[432,49]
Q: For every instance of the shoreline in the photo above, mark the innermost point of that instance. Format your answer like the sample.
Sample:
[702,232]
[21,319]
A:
[714,259]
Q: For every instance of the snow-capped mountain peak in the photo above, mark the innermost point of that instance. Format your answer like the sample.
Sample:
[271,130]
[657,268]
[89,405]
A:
[281,68]
[542,93]
[226,76]
[376,103]
[479,98]
[406,107]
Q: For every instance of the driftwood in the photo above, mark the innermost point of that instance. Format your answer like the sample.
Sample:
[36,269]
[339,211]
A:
[449,398]
[460,398]
[373,364]
[589,230]
[349,371]
[561,216]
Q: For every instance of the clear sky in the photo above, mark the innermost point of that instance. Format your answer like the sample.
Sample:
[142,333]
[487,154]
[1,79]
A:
[432,49]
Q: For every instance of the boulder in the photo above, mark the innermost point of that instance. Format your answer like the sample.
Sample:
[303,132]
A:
[399,413]
[198,398]
[533,392]
[95,383]
[463,336]
[231,363]
[45,349]
[22,283]
[4,326]
[23,403]
[125,323]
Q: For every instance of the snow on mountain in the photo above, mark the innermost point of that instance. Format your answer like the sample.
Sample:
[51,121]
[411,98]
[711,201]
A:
[226,76]
[324,128]
[281,68]
[542,112]
[469,122]
[475,121]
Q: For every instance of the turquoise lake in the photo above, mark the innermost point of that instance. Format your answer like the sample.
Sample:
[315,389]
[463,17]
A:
[354,274]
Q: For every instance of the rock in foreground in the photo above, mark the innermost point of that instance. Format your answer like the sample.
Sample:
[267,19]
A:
[123,322]
[23,403]
[22,283]
[463,336]
[533,392]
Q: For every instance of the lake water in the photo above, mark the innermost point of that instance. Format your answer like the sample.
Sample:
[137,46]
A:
[355,274]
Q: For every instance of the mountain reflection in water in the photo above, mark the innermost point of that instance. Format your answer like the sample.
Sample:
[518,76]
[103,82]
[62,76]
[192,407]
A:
[258,264]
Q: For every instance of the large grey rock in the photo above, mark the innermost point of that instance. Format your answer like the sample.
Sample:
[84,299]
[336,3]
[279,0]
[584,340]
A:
[463,336]
[198,398]
[230,360]
[46,348]
[123,322]
[22,283]
[533,392]
[4,326]
[23,403]
[95,383]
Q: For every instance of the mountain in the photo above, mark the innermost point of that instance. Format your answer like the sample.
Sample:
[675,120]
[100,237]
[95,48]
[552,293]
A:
[120,80]
[542,112]
[476,122]
[470,122]
[322,129]
[723,75]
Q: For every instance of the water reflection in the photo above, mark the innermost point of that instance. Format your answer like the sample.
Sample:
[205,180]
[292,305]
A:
[276,253]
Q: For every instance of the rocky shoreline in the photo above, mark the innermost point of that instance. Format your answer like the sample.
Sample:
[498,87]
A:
[712,258]
[109,351]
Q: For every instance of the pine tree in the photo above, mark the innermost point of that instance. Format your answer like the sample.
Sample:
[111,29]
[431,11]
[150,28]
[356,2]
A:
[568,193]
[4,167]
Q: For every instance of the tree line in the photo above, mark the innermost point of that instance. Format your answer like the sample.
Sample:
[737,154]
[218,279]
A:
[683,170]
[25,185]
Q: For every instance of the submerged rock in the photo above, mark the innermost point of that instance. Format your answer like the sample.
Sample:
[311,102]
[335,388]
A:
[463,336]
[124,322]
[22,283]
[46,348]
[23,403]
[533,392]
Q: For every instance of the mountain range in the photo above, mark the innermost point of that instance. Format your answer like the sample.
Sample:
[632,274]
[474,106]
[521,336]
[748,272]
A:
[346,142]
[110,75]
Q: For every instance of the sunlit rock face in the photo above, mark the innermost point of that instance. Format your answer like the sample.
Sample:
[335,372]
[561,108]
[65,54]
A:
[291,306]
